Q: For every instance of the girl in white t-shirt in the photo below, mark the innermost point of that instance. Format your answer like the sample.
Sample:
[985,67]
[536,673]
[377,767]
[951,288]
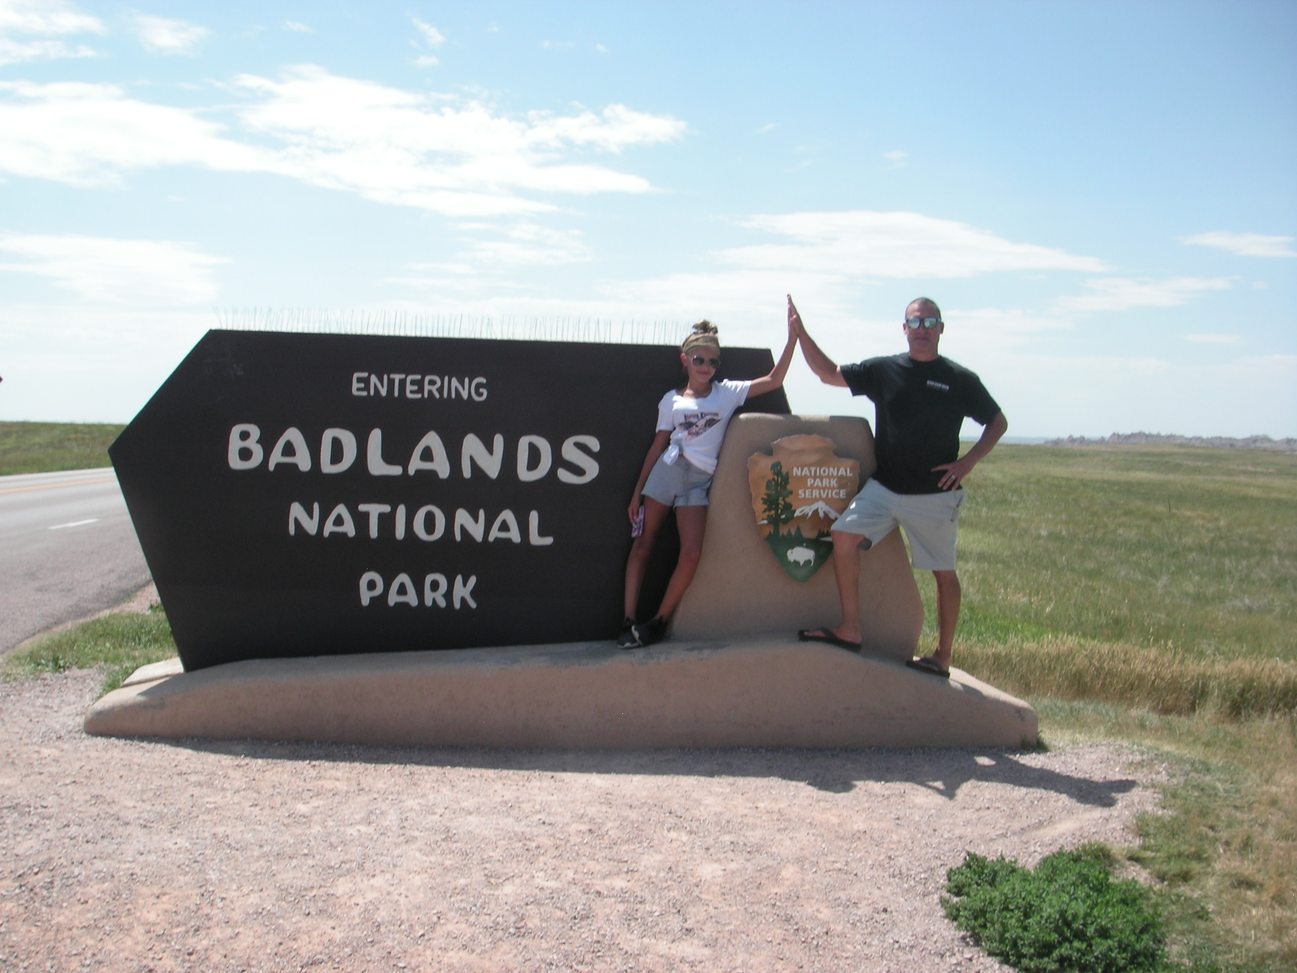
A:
[678,469]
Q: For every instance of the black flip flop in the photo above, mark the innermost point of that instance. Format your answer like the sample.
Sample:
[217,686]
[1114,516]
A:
[824,635]
[928,666]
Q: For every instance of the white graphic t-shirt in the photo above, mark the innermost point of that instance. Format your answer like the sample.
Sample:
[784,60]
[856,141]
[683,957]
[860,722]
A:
[697,426]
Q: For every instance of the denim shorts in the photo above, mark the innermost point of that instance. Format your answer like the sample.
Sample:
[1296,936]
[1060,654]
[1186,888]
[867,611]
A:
[678,484]
[931,522]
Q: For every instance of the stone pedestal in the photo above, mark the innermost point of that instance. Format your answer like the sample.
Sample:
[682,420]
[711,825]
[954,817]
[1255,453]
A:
[750,693]
[740,590]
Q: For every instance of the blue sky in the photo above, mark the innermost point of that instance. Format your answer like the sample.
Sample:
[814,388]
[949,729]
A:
[1102,196]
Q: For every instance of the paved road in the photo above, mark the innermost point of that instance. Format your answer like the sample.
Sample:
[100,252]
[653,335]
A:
[67,550]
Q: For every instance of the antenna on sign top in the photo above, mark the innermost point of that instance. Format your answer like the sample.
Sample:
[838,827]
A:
[424,324]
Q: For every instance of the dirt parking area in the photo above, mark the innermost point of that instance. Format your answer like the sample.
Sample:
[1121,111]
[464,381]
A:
[128,855]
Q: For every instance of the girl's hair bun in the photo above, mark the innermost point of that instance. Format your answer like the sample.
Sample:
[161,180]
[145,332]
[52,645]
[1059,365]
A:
[704,333]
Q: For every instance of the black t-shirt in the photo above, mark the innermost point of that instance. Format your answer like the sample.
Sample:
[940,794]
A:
[919,409]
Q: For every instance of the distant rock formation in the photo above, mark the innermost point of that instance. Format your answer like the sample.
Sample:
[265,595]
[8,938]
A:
[1287,445]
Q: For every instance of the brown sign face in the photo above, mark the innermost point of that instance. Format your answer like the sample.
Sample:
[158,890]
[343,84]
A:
[318,494]
[797,494]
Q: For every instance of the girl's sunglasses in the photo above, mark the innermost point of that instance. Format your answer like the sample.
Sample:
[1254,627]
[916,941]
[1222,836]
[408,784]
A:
[699,361]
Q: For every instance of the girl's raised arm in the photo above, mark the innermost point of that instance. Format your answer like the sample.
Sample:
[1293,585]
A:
[768,383]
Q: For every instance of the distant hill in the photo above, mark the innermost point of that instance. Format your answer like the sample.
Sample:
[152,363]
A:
[1287,445]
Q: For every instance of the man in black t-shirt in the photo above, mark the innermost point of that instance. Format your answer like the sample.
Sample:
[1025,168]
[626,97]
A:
[920,400]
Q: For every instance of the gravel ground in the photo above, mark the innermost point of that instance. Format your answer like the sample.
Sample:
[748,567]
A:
[139,855]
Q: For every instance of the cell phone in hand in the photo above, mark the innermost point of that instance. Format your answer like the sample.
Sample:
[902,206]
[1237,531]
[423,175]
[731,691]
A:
[637,525]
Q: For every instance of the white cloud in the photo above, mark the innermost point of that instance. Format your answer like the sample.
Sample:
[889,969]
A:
[88,134]
[439,153]
[1122,293]
[1244,244]
[444,154]
[1008,326]
[824,267]
[615,128]
[31,30]
[897,158]
[122,354]
[430,34]
[45,17]
[524,244]
[743,294]
[297,27]
[115,271]
[872,244]
[161,35]
[530,244]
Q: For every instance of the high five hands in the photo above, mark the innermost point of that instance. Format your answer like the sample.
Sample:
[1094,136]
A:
[794,320]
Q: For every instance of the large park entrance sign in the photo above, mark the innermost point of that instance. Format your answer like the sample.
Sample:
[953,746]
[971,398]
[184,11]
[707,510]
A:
[320,494]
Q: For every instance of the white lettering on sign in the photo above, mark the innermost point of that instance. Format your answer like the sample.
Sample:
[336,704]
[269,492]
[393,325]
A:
[397,385]
[534,455]
[524,458]
[823,471]
[823,482]
[427,523]
[433,592]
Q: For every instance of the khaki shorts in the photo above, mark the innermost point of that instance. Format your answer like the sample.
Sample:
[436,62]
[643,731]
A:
[678,484]
[930,520]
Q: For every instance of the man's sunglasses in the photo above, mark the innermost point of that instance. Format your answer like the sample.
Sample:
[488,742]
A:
[914,324]
[699,361]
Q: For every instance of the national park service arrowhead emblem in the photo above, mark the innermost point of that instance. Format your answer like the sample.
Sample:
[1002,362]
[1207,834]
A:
[797,494]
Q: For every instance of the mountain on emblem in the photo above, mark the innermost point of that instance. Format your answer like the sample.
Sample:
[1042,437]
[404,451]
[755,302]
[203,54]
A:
[797,494]
[818,509]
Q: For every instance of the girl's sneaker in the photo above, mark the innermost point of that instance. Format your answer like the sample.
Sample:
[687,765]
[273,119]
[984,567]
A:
[654,630]
[628,639]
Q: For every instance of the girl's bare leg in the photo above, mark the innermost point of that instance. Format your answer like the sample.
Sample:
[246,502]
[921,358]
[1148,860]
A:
[655,514]
[691,522]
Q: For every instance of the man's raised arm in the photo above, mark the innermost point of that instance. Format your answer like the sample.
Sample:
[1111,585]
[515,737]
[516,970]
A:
[821,364]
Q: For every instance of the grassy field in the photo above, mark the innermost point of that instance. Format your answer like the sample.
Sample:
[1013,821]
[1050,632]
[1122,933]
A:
[1161,578]
[1138,594]
[46,447]
[1150,595]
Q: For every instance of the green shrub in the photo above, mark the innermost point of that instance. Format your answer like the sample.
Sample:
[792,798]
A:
[1067,916]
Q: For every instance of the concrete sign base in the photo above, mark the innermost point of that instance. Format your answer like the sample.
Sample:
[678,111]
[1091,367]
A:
[759,692]
[740,590]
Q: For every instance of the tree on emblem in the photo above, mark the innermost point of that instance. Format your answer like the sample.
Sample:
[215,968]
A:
[775,505]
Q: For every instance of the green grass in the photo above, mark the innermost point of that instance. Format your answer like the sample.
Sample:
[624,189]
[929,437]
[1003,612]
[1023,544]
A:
[118,643]
[1163,578]
[1185,550]
[47,447]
